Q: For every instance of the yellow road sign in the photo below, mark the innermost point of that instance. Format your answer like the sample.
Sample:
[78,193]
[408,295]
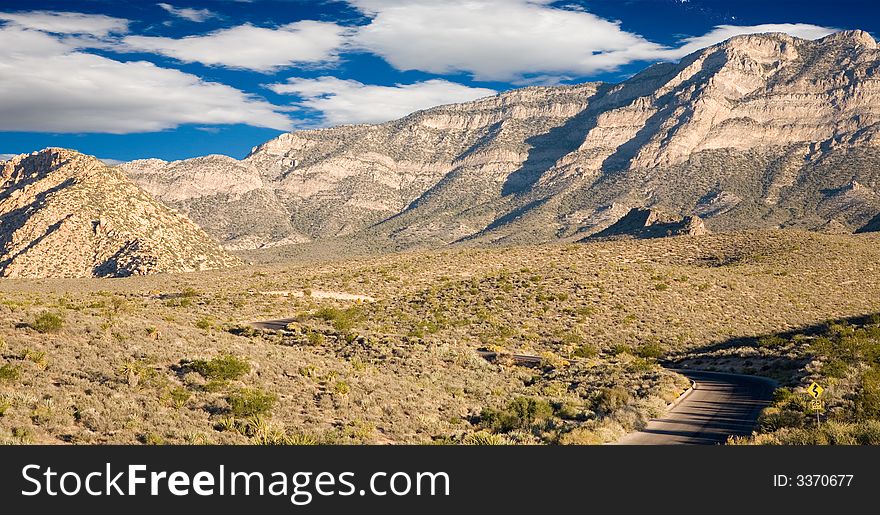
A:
[815,390]
[817,405]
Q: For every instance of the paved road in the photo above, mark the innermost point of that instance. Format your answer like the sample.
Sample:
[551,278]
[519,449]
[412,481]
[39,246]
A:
[273,325]
[720,406]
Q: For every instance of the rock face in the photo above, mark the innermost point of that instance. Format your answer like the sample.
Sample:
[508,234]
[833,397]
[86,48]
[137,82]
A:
[651,223]
[64,214]
[759,131]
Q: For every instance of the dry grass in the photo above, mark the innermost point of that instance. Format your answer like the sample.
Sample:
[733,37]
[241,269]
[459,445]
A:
[404,368]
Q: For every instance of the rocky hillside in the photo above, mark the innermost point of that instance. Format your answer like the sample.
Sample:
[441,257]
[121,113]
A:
[650,223]
[64,214]
[759,131]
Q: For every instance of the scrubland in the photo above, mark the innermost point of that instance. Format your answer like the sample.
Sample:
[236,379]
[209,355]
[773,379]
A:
[172,359]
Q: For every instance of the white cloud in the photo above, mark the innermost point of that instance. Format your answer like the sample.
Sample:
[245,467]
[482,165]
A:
[6,157]
[349,101]
[495,39]
[517,40]
[194,15]
[249,47]
[47,85]
[67,23]
[724,32]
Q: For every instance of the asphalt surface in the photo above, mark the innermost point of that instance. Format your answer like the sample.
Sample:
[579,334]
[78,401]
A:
[273,325]
[720,406]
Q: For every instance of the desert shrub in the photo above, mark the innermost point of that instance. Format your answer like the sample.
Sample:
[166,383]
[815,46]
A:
[650,350]
[609,400]
[225,367]
[834,368]
[772,341]
[639,365]
[48,322]
[868,433]
[868,396]
[484,438]
[243,330]
[343,320]
[341,388]
[249,402]
[152,439]
[580,436]
[37,357]
[135,372]
[178,396]
[302,439]
[521,413]
[315,338]
[9,373]
[773,419]
[568,410]
[205,323]
[585,350]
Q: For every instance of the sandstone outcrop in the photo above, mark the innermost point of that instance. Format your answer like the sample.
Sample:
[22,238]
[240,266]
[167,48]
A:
[651,223]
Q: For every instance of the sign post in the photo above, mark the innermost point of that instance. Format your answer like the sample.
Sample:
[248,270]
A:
[814,390]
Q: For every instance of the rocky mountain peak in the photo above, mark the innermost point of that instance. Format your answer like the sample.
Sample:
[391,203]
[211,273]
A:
[65,214]
[851,38]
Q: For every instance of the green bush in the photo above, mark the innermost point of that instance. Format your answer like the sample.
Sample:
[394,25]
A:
[205,323]
[773,419]
[9,373]
[772,341]
[343,320]
[609,400]
[315,338]
[651,350]
[225,367]
[868,397]
[585,350]
[620,348]
[249,402]
[834,368]
[48,323]
[521,413]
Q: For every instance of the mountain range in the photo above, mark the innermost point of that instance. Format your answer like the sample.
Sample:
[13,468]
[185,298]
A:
[760,131]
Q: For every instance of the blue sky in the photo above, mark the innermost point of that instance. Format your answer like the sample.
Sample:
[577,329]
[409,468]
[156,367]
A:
[125,80]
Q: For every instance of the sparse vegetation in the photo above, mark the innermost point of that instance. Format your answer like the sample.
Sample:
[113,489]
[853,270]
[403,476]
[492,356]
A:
[225,367]
[249,402]
[339,370]
[48,322]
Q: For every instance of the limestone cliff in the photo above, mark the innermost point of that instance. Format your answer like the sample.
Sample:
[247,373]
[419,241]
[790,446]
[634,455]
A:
[758,131]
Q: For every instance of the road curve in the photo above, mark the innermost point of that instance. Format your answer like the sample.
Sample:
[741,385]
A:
[721,405]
